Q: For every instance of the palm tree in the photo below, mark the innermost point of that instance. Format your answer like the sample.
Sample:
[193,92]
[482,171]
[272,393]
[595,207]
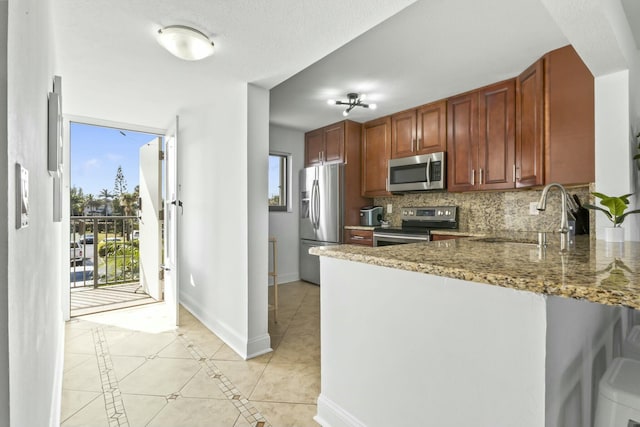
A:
[76,201]
[91,202]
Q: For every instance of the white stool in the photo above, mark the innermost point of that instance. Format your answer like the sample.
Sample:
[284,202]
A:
[619,395]
[274,273]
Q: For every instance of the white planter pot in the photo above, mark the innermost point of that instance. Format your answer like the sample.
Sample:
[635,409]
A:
[614,234]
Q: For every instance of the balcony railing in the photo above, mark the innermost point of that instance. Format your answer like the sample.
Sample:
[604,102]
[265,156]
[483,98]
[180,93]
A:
[104,250]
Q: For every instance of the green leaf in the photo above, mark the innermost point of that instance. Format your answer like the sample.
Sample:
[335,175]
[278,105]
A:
[597,208]
[599,195]
[628,213]
[616,205]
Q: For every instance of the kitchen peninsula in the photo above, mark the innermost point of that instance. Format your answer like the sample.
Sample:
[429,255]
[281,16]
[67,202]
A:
[493,331]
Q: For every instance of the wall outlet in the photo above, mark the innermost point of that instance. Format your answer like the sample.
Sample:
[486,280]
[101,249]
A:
[389,208]
[533,208]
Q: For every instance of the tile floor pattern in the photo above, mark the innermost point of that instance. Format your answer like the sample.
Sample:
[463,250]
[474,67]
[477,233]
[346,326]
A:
[130,368]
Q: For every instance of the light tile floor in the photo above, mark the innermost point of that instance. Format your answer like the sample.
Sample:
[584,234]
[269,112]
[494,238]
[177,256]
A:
[130,368]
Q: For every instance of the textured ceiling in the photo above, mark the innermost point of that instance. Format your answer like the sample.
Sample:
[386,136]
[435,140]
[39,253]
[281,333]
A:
[113,69]
[430,50]
[307,51]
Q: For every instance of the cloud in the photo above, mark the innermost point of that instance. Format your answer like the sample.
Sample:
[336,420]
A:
[113,157]
[91,165]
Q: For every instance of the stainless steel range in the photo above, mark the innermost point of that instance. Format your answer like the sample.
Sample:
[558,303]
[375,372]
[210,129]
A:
[416,225]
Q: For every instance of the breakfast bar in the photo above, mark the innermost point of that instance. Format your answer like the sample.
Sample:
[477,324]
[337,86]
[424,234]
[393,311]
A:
[495,331]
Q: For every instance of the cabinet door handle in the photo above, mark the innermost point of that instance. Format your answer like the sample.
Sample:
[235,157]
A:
[473,177]
[514,172]
[413,144]
[357,238]
[480,177]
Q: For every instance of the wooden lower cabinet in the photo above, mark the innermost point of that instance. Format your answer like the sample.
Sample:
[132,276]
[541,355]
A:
[358,237]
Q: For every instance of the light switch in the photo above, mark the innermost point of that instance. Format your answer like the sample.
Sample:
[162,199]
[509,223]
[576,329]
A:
[22,196]
[389,208]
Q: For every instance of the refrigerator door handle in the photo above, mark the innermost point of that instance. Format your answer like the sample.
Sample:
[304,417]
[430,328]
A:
[312,203]
[316,205]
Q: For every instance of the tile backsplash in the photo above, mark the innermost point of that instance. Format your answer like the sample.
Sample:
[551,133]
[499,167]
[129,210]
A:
[485,211]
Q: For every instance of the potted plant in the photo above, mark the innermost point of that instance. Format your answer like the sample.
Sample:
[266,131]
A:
[615,211]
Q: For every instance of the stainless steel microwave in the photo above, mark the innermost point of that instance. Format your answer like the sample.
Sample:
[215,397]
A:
[418,173]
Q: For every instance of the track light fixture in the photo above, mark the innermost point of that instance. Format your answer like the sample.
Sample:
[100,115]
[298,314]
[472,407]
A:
[354,101]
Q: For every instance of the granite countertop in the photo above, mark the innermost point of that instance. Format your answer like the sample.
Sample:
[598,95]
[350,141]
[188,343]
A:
[606,273]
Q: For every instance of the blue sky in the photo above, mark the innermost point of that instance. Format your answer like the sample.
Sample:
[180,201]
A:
[274,176]
[96,153]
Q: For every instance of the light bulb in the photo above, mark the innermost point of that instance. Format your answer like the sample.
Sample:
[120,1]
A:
[345,113]
[373,106]
[331,101]
[363,97]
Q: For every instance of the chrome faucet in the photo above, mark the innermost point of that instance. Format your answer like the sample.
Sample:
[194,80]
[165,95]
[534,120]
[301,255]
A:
[564,220]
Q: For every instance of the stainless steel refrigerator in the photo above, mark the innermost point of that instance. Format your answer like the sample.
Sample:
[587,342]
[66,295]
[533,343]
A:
[321,214]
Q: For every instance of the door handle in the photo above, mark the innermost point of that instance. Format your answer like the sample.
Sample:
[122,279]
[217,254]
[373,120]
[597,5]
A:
[429,171]
[165,268]
[179,204]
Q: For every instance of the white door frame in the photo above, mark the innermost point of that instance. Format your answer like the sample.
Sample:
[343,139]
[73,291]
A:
[66,187]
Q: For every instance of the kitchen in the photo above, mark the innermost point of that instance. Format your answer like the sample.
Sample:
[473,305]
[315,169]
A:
[480,213]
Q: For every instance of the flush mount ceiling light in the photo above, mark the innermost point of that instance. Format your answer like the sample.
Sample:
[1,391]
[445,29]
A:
[185,42]
[354,101]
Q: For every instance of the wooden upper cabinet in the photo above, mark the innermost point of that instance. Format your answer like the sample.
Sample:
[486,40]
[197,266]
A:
[376,151]
[421,130]
[481,138]
[530,126]
[555,137]
[462,142]
[313,147]
[570,130]
[496,133]
[324,145]
[403,134]
[334,143]
[432,127]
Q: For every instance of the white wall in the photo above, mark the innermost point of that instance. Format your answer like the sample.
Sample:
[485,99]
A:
[214,180]
[258,161]
[427,350]
[4,253]
[35,322]
[284,225]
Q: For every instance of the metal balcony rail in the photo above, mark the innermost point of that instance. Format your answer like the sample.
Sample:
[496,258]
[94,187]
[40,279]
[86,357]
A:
[104,250]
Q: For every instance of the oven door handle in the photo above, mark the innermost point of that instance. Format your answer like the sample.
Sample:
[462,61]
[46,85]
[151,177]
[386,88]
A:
[403,237]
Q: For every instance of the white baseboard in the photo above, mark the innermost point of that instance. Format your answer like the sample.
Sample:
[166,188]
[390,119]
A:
[221,329]
[259,346]
[330,414]
[285,278]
